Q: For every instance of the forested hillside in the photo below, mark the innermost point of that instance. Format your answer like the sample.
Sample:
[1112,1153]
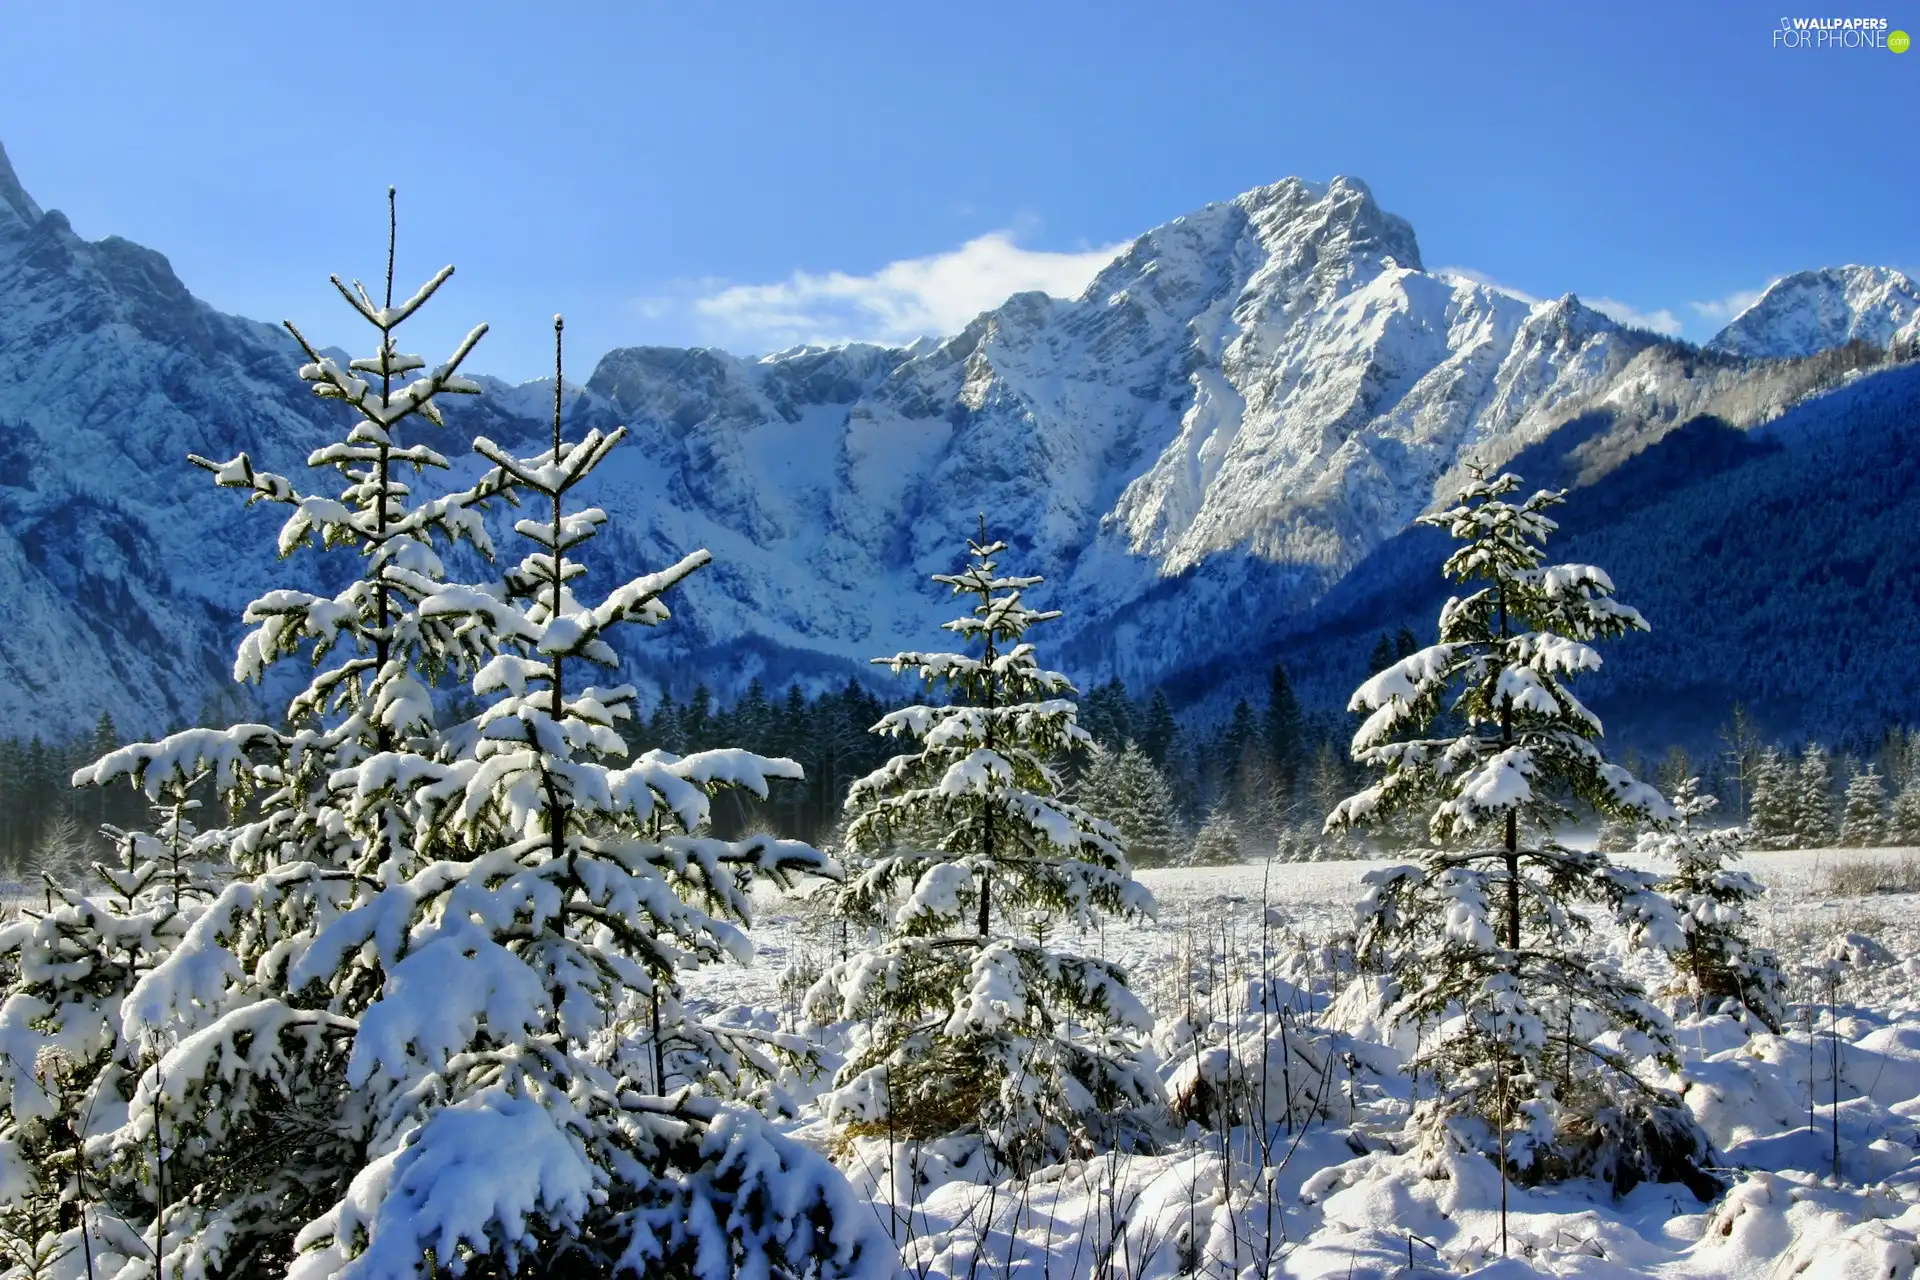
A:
[1778,566]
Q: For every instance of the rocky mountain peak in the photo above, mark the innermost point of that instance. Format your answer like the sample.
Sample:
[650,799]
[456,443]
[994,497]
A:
[1337,222]
[1811,311]
[18,212]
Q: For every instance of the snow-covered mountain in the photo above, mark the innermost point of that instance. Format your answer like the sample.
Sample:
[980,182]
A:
[1811,311]
[1237,410]
[1245,404]
[120,567]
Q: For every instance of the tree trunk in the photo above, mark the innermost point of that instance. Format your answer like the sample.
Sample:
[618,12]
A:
[557,705]
[382,640]
[986,800]
[1513,882]
[1513,819]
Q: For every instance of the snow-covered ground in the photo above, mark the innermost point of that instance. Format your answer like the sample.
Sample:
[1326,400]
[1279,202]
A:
[1342,1194]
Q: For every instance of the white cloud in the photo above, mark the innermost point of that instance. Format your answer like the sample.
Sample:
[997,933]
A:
[1660,321]
[1724,309]
[938,294]
[1482,278]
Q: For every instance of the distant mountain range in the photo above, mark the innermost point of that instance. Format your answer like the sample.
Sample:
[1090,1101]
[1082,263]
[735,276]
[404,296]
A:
[1214,454]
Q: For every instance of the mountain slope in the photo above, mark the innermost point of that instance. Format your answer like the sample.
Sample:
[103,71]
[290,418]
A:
[1776,566]
[121,568]
[1243,403]
[1245,406]
[1241,407]
[1811,311]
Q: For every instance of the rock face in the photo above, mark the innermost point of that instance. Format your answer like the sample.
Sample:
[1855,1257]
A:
[18,212]
[1811,311]
[110,373]
[1243,406]
[122,570]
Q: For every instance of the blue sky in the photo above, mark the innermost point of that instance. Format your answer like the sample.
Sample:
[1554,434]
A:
[748,174]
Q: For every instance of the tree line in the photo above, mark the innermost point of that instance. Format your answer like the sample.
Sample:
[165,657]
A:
[1254,785]
[1267,775]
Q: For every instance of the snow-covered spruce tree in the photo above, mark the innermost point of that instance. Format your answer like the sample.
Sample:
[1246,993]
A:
[1218,843]
[1125,789]
[1770,803]
[1716,969]
[1812,799]
[1616,835]
[64,1071]
[531,949]
[168,864]
[1903,820]
[1863,819]
[240,1071]
[361,1016]
[969,1023]
[1485,937]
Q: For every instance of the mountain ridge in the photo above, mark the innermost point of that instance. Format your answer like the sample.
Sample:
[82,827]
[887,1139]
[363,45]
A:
[1244,405]
[1811,311]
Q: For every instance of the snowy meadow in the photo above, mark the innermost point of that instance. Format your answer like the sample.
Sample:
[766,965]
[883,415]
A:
[1338,1192]
[1336,1196]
